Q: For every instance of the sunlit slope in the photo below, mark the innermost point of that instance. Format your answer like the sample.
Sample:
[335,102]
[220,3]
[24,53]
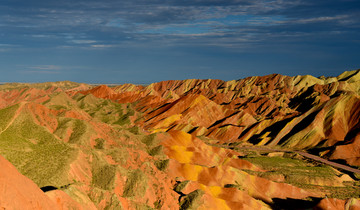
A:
[72,142]
[219,169]
[302,112]
[188,144]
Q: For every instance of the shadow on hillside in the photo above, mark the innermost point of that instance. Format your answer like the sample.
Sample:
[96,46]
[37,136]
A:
[294,204]
[304,123]
[48,188]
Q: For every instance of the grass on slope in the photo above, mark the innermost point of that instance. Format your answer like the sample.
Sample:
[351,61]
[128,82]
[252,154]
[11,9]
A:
[105,110]
[45,157]
[80,130]
[304,174]
[59,100]
[35,152]
[103,173]
[136,184]
[6,115]
[292,168]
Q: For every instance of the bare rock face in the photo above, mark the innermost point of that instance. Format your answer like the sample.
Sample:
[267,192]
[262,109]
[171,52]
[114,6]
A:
[18,191]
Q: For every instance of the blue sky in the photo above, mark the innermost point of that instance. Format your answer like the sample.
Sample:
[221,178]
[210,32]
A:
[143,41]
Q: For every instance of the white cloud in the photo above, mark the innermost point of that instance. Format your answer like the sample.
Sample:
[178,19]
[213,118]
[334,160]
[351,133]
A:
[102,45]
[322,19]
[7,47]
[40,69]
[45,67]
[83,41]
[43,72]
[315,19]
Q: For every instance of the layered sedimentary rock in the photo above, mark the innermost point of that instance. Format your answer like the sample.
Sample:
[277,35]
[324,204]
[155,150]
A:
[206,144]
[301,112]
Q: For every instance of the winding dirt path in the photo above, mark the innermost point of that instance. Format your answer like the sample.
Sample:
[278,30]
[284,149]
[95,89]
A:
[322,160]
[305,154]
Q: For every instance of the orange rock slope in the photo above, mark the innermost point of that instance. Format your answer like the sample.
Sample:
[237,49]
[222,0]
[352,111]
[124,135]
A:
[213,170]
[180,144]
[19,192]
[301,112]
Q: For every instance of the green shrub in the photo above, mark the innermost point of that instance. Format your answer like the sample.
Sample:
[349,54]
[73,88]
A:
[136,184]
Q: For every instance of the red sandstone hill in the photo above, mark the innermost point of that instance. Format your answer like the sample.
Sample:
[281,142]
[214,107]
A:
[188,144]
[269,110]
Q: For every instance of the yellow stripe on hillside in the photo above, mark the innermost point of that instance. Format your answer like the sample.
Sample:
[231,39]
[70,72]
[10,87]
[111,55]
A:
[169,120]
[180,154]
[191,172]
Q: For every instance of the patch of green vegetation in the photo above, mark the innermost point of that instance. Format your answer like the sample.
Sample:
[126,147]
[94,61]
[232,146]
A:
[162,164]
[153,146]
[303,174]
[24,91]
[339,192]
[158,150]
[45,166]
[63,124]
[135,130]
[158,204]
[104,176]
[119,154]
[6,115]
[74,131]
[57,107]
[35,152]
[236,185]
[289,166]
[13,85]
[113,203]
[62,121]
[136,184]
[180,186]
[59,100]
[45,102]
[106,110]
[99,195]
[99,143]
[76,193]
[293,170]
[140,206]
[251,154]
[78,131]
[191,200]
[123,120]
[149,140]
